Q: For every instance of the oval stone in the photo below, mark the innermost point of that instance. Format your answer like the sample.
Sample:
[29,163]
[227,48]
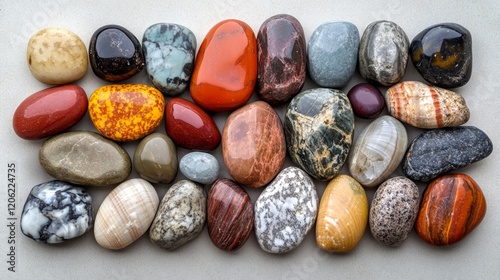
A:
[285,211]
[383,53]
[181,215]
[50,111]
[281,59]
[155,158]
[230,215]
[200,167]
[169,51]
[332,54]
[85,158]
[189,126]
[394,210]
[226,67]
[366,100]
[57,56]
[438,151]
[126,112]
[377,151]
[253,144]
[56,211]
[319,126]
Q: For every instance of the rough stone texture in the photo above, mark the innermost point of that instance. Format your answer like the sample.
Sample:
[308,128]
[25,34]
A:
[319,126]
[366,100]
[155,158]
[200,167]
[439,151]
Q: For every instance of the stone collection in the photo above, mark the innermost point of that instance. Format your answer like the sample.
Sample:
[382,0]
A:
[155,158]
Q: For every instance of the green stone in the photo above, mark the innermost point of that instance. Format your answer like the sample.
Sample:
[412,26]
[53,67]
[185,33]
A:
[155,158]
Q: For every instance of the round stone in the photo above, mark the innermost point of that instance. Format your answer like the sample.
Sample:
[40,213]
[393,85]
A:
[200,167]
[155,158]
[366,100]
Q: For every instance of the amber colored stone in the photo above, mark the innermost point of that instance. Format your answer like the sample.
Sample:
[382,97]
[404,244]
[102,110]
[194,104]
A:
[253,144]
[226,67]
[453,206]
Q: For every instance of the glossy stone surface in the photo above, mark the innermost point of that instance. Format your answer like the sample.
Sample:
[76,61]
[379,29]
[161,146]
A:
[452,207]
[425,106]
[115,53]
[377,151]
[230,215]
[169,51]
[225,70]
[200,167]
[281,59]
[366,100]
[56,56]
[181,215]
[319,127]
[85,158]
[189,126]
[442,54]
[56,211]
[383,53]
[253,144]
[50,111]
[285,211]
[438,151]
[393,210]
[332,54]
[126,112]
[155,158]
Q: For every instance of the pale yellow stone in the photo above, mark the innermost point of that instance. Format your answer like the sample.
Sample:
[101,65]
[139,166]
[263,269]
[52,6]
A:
[57,56]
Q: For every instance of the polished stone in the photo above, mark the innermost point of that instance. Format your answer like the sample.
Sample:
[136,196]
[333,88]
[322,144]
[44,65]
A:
[366,100]
[155,158]
[200,167]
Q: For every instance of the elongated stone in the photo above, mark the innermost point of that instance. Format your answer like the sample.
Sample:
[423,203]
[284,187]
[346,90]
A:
[200,167]
[155,158]
[319,126]
[439,151]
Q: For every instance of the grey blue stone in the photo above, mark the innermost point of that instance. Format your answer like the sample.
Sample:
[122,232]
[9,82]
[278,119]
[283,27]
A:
[200,167]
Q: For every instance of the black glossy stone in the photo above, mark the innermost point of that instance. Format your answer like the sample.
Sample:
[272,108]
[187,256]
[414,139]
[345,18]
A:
[438,151]
[442,54]
[115,53]
[366,100]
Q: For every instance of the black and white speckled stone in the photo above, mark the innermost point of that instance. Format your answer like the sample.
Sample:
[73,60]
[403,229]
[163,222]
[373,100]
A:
[394,210]
[383,53]
[56,211]
[442,150]
[180,217]
[319,126]
[285,211]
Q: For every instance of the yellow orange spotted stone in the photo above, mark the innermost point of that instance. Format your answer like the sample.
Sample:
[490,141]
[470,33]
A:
[126,112]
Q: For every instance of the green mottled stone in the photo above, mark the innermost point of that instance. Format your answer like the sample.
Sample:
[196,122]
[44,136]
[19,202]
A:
[319,125]
[155,158]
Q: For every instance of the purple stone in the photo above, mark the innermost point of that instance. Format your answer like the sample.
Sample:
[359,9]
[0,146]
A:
[366,100]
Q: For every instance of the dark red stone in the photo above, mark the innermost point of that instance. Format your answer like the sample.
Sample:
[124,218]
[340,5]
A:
[281,59]
[189,126]
[230,215]
[366,100]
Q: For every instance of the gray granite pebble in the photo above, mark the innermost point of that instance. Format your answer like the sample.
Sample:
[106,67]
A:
[200,167]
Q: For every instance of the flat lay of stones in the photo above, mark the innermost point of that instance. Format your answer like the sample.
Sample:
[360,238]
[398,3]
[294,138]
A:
[240,93]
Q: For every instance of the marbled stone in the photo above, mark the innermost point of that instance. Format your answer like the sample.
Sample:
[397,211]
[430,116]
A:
[189,126]
[438,151]
[230,215]
[169,51]
[253,144]
[57,56]
[281,59]
[56,211]
[394,210]
[366,100]
[332,54]
[200,167]
[115,53]
[285,211]
[126,112]
[50,111]
[319,127]
[442,54]
[225,70]
[181,215]
[85,158]
[155,158]
[383,53]
[378,151]
[452,207]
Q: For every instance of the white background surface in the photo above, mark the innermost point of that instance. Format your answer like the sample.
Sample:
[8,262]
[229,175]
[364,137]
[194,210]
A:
[475,257]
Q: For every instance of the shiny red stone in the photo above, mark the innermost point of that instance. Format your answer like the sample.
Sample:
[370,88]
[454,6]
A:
[189,126]
[50,111]
[366,100]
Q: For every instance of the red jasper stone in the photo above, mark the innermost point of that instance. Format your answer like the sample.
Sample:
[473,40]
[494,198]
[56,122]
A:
[189,126]
[50,111]
[225,70]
